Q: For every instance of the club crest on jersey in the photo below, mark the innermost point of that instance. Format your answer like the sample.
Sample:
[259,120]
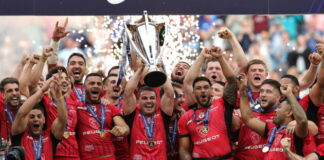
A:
[201,115]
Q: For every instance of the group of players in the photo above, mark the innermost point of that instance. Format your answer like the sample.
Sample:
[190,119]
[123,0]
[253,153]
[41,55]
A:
[224,114]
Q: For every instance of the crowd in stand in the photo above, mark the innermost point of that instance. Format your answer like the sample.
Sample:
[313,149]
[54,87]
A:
[222,106]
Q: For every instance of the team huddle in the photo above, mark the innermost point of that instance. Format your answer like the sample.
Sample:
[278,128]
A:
[223,113]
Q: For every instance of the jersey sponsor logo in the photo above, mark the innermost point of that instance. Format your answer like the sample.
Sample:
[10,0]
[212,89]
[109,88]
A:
[137,157]
[208,139]
[88,148]
[255,147]
[276,150]
[93,132]
[255,138]
[145,142]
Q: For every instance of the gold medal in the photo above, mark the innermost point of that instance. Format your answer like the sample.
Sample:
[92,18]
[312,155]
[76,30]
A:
[205,129]
[151,144]
[66,135]
[102,134]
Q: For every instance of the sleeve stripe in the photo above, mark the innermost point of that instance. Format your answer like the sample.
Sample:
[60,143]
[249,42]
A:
[185,135]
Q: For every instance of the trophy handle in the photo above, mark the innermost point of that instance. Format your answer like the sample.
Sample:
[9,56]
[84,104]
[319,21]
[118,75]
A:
[130,38]
[164,44]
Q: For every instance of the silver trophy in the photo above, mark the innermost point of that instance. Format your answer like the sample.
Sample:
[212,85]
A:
[145,38]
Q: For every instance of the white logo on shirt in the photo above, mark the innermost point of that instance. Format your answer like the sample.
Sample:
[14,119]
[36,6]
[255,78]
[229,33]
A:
[89,148]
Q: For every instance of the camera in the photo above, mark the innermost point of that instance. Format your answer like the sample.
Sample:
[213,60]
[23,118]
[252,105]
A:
[16,153]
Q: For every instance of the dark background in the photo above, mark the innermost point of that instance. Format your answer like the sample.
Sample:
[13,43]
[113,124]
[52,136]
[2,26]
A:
[136,7]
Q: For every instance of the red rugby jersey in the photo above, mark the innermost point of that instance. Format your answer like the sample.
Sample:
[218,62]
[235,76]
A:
[91,145]
[320,124]
[67,147]
[254,94]
[4,118]
[26,140]
[139,150]
[315,114]
[120,142]
[299,146]
[73,95]
[216,142]
[320,151]
[250,143]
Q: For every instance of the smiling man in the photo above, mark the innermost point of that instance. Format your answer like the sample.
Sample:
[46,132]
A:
[97,123]
[149,120]
[207,126]
[76,68]
[27,129]
[9,104]
[179,72]
[113,96]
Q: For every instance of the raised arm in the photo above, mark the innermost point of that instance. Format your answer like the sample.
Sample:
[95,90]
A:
[19,68]
[193,72]
[307,79]
[301,128]
[24,79]
[20,123]
[167,99]
[317,92]
[239,55]
[62,115]
[58,33]
[38,69]
[230,90]
[253,123]
[129,97]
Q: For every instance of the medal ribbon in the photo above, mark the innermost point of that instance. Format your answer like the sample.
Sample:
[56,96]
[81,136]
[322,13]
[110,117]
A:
[38,148]
[80,97]
[149,129]
[10,114]
[254,102]
[103,116]
[67,110]
[273,133]
[205,119]
[172,138]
